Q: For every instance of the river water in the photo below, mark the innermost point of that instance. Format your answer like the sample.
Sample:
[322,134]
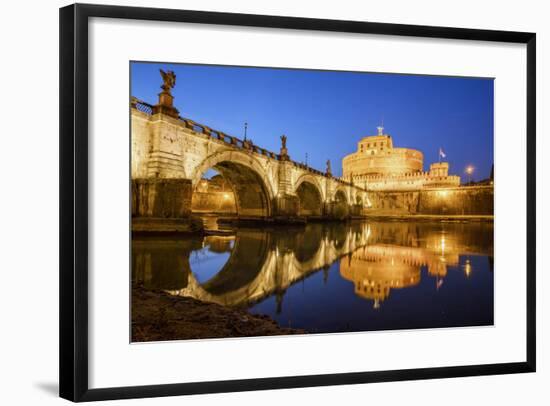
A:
[333,277]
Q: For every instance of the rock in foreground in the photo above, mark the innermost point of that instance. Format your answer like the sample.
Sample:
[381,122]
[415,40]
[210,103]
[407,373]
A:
[158,316]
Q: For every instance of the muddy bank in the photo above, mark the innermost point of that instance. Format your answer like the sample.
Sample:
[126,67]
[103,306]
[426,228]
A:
[158,316]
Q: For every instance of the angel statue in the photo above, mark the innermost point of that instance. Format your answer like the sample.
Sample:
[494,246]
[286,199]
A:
[283,141]
[328,166]
[169,79]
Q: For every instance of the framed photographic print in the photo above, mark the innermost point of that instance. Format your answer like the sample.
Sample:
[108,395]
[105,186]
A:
[300,202]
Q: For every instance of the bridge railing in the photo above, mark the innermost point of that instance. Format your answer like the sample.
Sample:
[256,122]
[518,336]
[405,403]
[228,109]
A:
[142,106]
[228,139]
[320,173]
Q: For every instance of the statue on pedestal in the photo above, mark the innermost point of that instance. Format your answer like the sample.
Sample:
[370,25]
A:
[169,79]
[329,170]
[284,150]
[166,100]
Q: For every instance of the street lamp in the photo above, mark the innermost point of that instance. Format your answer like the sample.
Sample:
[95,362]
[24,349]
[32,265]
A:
[469,170]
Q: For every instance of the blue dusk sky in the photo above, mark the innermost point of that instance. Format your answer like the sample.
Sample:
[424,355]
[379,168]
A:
[325,113]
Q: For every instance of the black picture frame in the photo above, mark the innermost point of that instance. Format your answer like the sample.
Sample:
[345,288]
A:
[73,180]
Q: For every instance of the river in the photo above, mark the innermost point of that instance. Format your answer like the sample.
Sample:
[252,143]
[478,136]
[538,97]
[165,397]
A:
[333,277]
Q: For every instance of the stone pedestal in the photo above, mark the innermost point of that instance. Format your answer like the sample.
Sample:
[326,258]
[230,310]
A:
[166,105]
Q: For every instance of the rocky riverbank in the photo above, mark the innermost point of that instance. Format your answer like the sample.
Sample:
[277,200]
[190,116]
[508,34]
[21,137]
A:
[158,316]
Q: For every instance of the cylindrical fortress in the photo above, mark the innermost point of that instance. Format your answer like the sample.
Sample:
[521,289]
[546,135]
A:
[376,156]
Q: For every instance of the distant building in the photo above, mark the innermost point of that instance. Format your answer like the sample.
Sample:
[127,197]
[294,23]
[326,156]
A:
[377,165]
[213,196]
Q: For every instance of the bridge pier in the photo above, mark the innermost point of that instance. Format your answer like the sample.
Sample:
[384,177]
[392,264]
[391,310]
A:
[286,206]
[161,205]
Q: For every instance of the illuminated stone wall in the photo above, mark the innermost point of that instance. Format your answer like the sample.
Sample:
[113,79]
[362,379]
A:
[465,200]
[141,144]
[396,202]
[468,200]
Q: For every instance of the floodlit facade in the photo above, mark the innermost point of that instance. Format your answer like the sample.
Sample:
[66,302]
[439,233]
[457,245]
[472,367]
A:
[377,165]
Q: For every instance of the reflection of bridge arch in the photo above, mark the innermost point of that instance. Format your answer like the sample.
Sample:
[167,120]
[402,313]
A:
[240,275]
[310,196]
[248,260]
[272,266]
[253,194]
[309,241]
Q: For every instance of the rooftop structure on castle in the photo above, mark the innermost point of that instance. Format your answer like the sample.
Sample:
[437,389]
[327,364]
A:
[377,165]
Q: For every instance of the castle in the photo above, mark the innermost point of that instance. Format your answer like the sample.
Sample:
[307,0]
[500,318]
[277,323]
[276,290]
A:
[378,166]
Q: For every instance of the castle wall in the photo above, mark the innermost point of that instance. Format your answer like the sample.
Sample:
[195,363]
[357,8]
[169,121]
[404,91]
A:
[385,162]
[406,182]
[471,200]
[465,200]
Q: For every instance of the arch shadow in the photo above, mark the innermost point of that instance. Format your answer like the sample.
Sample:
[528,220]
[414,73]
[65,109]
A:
[248,180]
[310,200]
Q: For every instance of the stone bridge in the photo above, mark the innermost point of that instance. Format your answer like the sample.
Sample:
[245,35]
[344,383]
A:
[170,154]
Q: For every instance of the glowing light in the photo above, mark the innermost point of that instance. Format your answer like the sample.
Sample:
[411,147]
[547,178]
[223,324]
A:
[442,193]
[226,196]
[468,268]
[469,169]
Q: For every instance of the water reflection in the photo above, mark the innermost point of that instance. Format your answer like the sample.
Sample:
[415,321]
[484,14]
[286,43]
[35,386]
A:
[334,277]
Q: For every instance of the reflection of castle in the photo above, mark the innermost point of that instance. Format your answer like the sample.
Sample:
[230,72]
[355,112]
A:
[374,272]
[376,269]
[377,165]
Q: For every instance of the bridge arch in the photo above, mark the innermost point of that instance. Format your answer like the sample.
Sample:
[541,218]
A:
[247,177]
[340,203]
[310,196]
[341,196]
